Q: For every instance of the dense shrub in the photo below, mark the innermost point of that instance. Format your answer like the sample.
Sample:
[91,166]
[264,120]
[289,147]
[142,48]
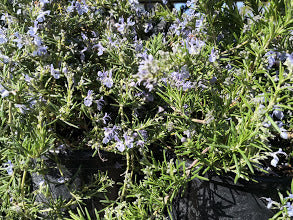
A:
[211,83]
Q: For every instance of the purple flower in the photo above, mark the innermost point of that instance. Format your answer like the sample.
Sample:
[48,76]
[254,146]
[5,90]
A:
[41,16]
[144,134]
[108,81]
[70,8]
[9,167]
[109,134]
[42,50]
[100,103]
[140,143]
[81,8]
[271,58]
[120,25]
[289,209]
[18,40]
[120,146]
[43,2]
[194,46]
[213,56]
[3,91]
[55,73]
[129,22]
[290,58]
[106,118]
[284,133]
[88,100]
[22,108]
[189,3]
[147,27]
[3,38]
[270,202]
[106,78]
[278,114]
[128,141]
[33,30]
[100,48]
[199,23]
[275,159]
[83,36]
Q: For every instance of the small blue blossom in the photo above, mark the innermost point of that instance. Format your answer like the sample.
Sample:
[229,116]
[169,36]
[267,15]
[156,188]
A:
[147,27]
[106,78]
[33,30]
[22,108]
[194,46]
[41,17]
[130,22]
[120,146]
[120,25]
[42,50]
[190,3]
[284,133]
[110,133]
[3,38]
[106,118]
[128,140]
[88,100]
[100,48]
[278,114]
[99,103]
[270,202]
[70,8]
[275,159]
[44,2]
[3,91]
[289,207]
[9,167]
[18,40]
[81,8]
[55,73]
[213,55]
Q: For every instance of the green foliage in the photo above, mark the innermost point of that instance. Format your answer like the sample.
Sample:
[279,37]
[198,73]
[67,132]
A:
[174,94]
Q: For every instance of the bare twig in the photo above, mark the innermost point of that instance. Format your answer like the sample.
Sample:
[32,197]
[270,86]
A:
[195,162]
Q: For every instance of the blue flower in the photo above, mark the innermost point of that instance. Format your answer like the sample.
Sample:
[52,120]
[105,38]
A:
[33,30]
[100,103]
[106,118]
[128,140]
[110,133]
[42,50]
[147,27]
[3,38]
[18,40]
[120,25]
[41,16]
[9,167]
[88,100]
[55,73]
[100,48]
[81,8]
[3,91]
[275,159]
[213,55]
[120,146]
[106,78]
